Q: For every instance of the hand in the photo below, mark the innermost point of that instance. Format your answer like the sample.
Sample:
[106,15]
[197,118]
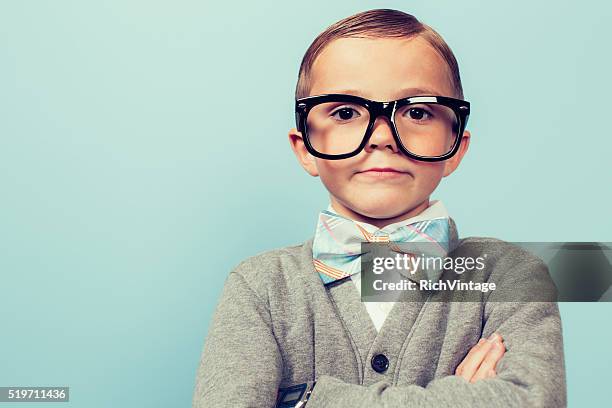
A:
[482,359]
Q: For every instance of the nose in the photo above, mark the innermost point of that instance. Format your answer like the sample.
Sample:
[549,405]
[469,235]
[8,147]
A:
[382,136]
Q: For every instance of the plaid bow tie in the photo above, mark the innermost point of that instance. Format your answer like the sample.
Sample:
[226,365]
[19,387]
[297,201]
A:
[336,249]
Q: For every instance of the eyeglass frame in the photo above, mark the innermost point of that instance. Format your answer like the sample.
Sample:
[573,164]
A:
[376,109]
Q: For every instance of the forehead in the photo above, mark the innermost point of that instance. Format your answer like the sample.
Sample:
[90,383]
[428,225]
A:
[380,69]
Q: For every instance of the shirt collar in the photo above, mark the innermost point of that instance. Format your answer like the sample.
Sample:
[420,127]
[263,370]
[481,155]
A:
[435,210]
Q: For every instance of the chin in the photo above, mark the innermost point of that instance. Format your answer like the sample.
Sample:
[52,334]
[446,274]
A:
[382,209]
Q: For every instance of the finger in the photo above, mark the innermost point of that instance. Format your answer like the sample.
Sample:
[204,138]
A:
[490,361]
[496,352]
[469,356]
[461,366]
[474,358]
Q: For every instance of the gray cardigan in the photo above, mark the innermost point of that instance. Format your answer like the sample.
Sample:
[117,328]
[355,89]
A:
[277,325]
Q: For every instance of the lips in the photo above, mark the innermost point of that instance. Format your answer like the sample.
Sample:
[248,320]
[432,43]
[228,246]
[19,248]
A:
[378,174]
[383,170]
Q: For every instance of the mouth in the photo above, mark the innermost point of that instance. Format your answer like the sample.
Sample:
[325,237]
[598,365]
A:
[383,172]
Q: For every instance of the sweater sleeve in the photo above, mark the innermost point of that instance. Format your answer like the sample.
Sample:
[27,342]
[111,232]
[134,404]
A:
[232,372]
[531,373]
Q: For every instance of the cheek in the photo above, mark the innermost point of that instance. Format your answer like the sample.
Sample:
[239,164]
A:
[429,174]
[334,172]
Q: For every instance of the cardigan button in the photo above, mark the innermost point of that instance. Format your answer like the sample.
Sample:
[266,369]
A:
[380,363]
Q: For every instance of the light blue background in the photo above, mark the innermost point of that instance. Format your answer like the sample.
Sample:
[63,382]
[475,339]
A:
[144,153]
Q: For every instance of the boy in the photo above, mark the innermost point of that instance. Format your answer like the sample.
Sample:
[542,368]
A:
[293,316]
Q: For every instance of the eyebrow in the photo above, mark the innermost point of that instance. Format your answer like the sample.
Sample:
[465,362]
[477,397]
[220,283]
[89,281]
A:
[406,92]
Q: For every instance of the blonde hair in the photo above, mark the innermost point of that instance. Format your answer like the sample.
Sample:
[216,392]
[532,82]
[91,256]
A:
[377,23]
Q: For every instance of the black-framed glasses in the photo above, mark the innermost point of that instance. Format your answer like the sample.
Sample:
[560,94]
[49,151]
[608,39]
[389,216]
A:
[425,127]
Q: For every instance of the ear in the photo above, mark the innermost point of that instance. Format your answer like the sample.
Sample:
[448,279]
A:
[451,164]
[307,161]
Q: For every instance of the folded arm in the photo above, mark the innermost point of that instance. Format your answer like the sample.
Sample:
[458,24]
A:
[530,374]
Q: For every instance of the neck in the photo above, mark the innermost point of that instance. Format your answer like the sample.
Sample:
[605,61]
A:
[378,222]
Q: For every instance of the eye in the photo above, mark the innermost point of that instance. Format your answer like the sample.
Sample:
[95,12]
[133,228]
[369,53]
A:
[345,113]
[418,114]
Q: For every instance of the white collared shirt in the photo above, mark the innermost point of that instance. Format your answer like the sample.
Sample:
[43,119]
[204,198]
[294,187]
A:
[379,311]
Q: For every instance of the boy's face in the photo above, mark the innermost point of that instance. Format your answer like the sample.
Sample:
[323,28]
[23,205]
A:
[382,70]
